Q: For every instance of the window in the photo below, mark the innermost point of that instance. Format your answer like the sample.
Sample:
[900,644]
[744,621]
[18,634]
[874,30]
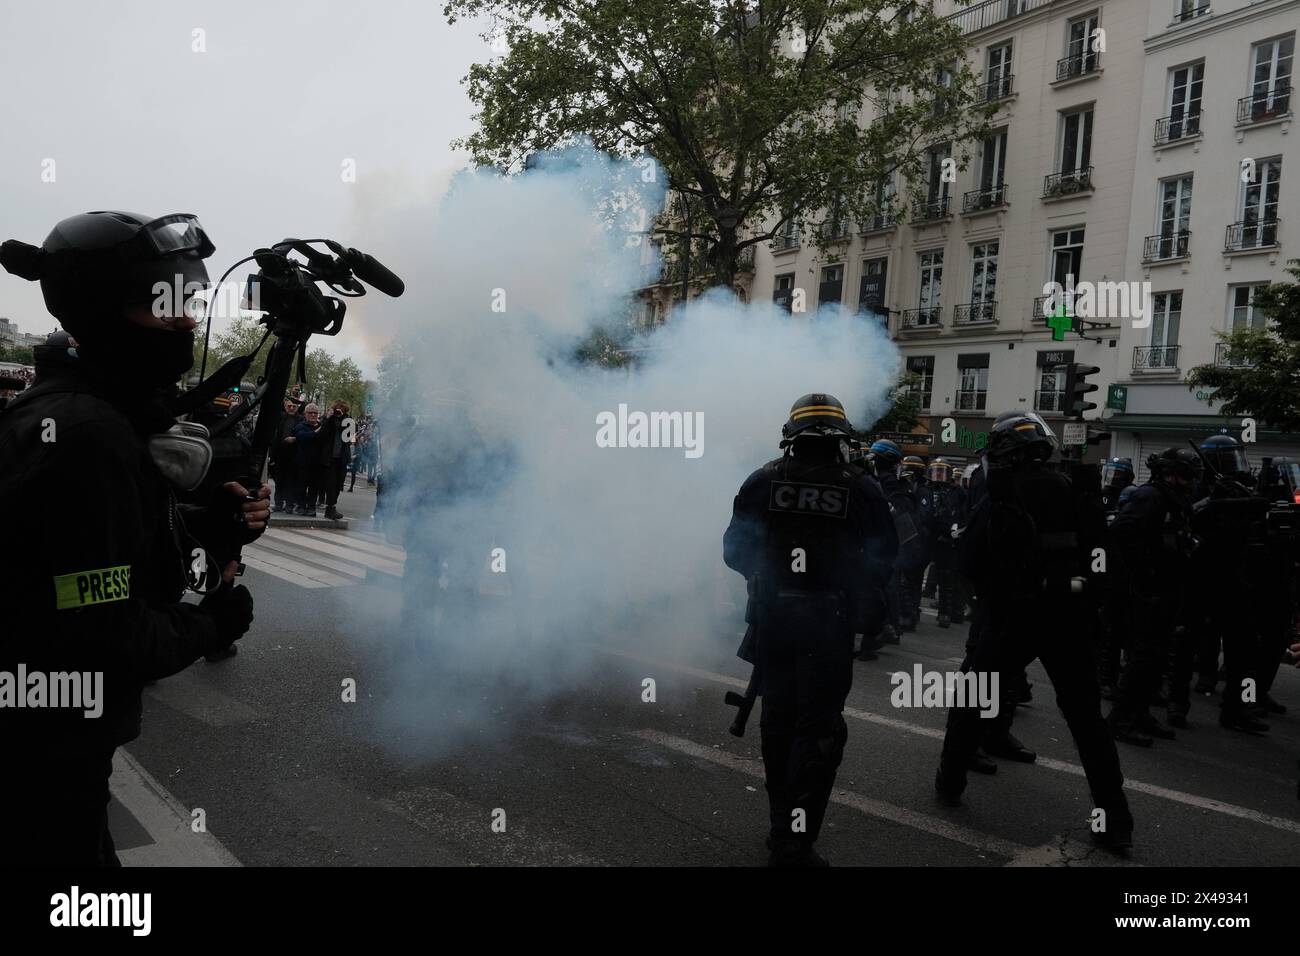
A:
[832,285]
[936,195]
[783,292]
[787,237]
[1067,256]
[1050,394]
[1080,57]
[1185,87]
[871,293]
[923,367]
[1187,9]
[943,82]
[973,382]
[1259,197]
[931,285]
[1175,214]
[1244,314]
[997,72]
[1166,310]
[993,162]
[1076,141]
[984,275]
[1271,81]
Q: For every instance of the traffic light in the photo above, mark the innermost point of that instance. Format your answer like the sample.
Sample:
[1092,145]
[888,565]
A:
[1077,387]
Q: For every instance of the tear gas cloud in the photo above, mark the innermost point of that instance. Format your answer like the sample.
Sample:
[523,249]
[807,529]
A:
[490,431]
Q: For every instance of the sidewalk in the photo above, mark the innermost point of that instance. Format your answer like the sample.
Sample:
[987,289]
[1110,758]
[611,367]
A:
[149,825]
[356,505]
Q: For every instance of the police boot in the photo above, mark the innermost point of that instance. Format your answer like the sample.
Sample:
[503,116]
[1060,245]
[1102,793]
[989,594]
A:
[944,620]
[1008,747]
[1124,728]
[866,652]
[791,854]
[1239,719]
[948,788]
[1118,834]
[1149,725]
[1271,706]
[1176,716]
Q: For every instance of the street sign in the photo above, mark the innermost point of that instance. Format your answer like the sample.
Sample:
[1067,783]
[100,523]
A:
[1117,397]
[1074,433]
[907,438]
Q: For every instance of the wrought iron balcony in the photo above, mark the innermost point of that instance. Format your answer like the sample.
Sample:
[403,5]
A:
[1245,235]
[1078,64]
[883,220]
[976,313]
[998,88]
[833,230]
[1264,106]
[1049,401]
[921,318]
[979,199]
[1170,129]
[785,242]
[1063,306]
[1067,183]
[1224,356]
[931,209]
[1189,12]
[991,12]
[1174,246]
[672,273]
[1162,358]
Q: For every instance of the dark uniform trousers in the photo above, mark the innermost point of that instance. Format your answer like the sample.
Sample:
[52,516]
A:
[1009,641]
[805,650]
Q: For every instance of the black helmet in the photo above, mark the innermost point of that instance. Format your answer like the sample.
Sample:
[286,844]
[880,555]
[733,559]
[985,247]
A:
[939,470]
[884,455]
[818,413]
[1177,462]
[1023,436]
[1225,455]
[913,465]
[1117,471]
[94,263]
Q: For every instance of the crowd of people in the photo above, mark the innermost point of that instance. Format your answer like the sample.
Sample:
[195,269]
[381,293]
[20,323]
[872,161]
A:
[313,454]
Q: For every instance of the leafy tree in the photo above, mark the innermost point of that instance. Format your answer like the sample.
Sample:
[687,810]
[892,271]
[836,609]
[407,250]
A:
[1264,379]
[22,355]
[750,107]
[904,412]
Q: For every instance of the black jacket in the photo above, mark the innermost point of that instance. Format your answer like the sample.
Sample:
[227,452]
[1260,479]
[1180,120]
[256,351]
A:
[101,571]
[1151,536]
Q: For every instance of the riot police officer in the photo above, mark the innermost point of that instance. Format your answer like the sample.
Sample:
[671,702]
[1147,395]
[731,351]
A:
[1153,545]
[91,467]
[912,474]
[883,459]
[1116,475]
[946,515]
[814,539]
[1024,553]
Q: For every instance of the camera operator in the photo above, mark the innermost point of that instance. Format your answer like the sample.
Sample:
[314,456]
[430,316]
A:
[336,453]
[90,464]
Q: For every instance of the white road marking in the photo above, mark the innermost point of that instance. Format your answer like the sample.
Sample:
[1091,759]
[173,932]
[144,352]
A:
[1164,793]
[166,820]
[355,541]
[358,557]
[194,695]
[262,558]
[258,565]
[343,567]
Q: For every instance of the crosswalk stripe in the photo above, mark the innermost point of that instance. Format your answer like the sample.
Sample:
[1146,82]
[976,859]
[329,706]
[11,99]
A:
[370,547]
[258,565]
[356,556]
[343,567]
[284,563]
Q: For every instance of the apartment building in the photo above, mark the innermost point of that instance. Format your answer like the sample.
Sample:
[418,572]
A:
[960,281]
[1215,209]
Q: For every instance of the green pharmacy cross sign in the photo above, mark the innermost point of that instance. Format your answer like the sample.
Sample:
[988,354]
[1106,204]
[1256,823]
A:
[1117,397]
[1059,323]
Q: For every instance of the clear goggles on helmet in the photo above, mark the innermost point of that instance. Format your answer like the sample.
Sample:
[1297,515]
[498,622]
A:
[1112,473]
[1229,461]
[937,471]
[175,234]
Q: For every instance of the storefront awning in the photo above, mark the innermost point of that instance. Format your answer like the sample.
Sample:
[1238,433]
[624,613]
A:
[1189,425]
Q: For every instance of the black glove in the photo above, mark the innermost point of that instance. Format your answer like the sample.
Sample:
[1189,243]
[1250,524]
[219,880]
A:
[232,610]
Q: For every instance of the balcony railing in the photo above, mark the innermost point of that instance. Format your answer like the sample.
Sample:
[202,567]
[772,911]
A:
[1049,401]
[1077,64]
[932,209]
[833,230]
[672,272]
[971,401]
[1174,246]
[997,88]
[1170,129]
[879,222]
[921,318]
[978,199]
[1067,183]
[1224,356]
[976,313]
[1063,306]
[1162,357]
[1264,106]
[785,242]
[992,12]
[1245,235]
[1189,12]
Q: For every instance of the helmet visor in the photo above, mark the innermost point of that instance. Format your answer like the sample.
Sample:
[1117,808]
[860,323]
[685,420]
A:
[1113,474]
[937,471]
[175,234]
[1047,430]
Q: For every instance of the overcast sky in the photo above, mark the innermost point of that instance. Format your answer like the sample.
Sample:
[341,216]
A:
[250,135]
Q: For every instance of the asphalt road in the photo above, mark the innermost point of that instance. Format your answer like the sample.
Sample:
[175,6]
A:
[289,773]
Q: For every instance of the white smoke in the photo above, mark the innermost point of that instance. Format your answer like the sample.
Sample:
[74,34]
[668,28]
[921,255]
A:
[492,444]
